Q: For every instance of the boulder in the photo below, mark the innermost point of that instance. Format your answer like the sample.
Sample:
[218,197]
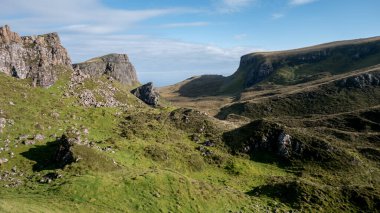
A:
[64,154]
[39,137]
[147,94]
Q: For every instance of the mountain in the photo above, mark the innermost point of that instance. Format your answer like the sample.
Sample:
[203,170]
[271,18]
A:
[263,73]
[34,57]
[289,67]
[86,143]
[116,66]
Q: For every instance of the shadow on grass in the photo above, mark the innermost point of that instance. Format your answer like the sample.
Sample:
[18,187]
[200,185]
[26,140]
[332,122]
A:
[270,158]
[207,85]
[286,192]
[43,156]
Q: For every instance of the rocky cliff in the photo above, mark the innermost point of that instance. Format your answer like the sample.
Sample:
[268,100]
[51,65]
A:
[32,56]
[116,66]
[300,65]
[147,94]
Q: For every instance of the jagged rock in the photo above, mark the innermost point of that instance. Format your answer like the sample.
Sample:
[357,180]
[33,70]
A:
[29,142]
[147,94]
[361,81]
[55,115]
[104,90]
[7,36]
[209,143]
[261,135]
[116,66]
[64,154]
[39,137]
[49,177]
[204,151]
[10,122]
[284,145]
[32,56]
[23,137]
[87,98]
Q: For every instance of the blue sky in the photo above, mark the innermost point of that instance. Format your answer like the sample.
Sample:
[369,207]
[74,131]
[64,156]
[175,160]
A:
[169,41]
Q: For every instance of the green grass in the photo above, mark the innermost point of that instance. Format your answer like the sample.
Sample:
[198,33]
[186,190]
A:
[154,165]
[158,168]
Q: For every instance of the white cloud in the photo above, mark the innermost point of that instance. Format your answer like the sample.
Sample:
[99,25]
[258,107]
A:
[163,61]
[185,24]
[228,6]
[88,29]
[77,16]
[300,2]
[277,15]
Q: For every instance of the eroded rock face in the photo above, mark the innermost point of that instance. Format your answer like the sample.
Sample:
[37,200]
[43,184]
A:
[284,145]
[147,94]
[361,81]
[116,66]
[257,67]
[105,91]
[260,136]
[32,56]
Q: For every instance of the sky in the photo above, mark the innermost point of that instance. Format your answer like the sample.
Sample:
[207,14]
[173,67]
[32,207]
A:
[170,40]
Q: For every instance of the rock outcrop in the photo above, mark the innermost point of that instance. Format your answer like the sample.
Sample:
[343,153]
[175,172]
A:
[116,66]
[147,94]
[104,95]
[263,136]
[32,56]
[360,81]
[64,154]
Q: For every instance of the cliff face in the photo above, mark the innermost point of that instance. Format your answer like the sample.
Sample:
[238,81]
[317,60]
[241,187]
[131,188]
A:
[295,66]
[32,56]
[116,66]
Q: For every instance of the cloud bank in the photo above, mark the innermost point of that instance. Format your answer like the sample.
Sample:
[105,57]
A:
[89,29]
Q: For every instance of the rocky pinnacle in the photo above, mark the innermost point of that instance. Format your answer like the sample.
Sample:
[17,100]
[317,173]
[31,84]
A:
[32,56]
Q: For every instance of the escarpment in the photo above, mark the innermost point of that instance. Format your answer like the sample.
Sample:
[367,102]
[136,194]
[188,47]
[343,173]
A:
[116,66]
[301,65]
[32,57]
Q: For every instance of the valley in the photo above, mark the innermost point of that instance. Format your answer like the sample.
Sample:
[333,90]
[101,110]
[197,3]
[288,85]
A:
[289,131]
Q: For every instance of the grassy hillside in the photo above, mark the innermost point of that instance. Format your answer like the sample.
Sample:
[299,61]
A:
[304,138]
[142,159]
[313,112]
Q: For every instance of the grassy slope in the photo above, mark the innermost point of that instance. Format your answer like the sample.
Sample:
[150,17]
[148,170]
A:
[341,124]
[181,181]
